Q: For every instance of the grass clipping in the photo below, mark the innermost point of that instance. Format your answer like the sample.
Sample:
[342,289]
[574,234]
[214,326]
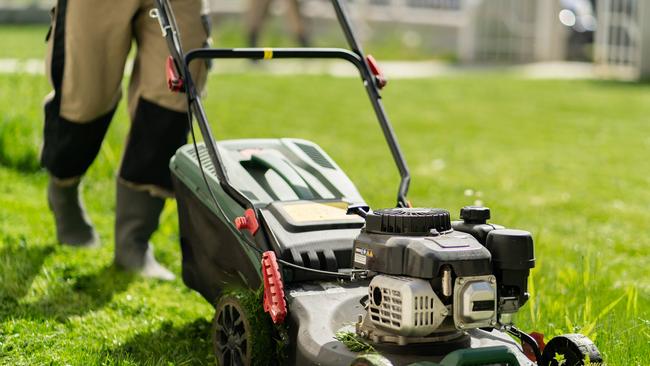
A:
[353,342]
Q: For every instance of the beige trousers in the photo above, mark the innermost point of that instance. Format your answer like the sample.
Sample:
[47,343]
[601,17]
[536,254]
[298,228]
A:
[88,47]
[98,38]
[258,11]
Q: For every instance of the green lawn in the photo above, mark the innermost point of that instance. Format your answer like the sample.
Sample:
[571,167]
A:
[566,160]
[23,41]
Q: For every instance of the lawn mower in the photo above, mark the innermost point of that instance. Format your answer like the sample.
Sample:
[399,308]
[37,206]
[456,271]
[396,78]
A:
[302,272]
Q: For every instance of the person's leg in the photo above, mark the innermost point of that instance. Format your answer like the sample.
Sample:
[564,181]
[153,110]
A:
[257,12]
[159,127]
[297,22]
[87,49]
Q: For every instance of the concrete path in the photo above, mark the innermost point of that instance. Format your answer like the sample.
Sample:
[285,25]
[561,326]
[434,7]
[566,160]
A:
[392,69]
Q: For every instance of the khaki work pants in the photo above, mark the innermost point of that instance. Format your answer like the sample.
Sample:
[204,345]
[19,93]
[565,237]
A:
[258,11]
[87,52]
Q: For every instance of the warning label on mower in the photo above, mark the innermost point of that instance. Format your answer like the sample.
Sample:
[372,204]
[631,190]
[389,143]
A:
[361,255]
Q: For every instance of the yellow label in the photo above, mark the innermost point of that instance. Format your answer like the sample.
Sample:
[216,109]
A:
[268,53]
[314,211]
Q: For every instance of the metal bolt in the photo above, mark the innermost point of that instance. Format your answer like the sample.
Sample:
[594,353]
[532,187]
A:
[493,280]
[461,325]
[493,322]
[461,281]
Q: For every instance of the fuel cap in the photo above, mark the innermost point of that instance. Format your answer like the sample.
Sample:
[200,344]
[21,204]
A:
[475,214]
[408,221]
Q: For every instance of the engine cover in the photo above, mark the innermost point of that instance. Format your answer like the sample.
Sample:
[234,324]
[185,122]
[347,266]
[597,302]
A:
[406,306]
[396,249]
[475,300]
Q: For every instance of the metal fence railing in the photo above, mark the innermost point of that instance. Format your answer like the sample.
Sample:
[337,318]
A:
[25,11]
[19,4]
[506,31]
[487,30]
[618,47]
[438,12]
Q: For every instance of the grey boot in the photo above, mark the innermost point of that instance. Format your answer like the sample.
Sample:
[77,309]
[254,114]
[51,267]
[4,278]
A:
[73,227]
[136,218]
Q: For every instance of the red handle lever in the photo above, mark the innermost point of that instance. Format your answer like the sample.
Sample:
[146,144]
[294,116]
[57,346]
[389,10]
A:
[247,222]
[174,82]
[380,79]
[274,302]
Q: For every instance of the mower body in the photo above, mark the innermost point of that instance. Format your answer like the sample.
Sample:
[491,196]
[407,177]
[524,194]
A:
[302,196]
[417,287]
[319,310]
[301,193]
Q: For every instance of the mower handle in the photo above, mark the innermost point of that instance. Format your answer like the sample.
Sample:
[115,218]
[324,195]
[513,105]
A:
[355,55]
[375,98]
[274,53]
[323,53]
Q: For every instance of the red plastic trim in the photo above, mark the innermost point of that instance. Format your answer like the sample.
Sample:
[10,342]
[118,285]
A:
[247,222]
[174,82]
[274,302]
[376,70]
[539,338]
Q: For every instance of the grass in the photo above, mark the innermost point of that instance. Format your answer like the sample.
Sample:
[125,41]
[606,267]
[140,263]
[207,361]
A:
[23,41]
[566,160]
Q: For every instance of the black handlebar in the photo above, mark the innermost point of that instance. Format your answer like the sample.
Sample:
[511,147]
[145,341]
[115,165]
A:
[355,56]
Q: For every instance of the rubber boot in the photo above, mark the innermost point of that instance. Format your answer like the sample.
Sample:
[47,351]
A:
[252,38]
[136,218]
[303,40]
[73,227]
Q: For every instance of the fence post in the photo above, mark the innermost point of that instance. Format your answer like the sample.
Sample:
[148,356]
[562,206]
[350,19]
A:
[467,32]
[550,37]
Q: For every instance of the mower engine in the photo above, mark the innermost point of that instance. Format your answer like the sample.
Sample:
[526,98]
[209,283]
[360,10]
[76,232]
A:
[433,279]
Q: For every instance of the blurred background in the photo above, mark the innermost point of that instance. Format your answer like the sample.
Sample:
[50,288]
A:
[605,36]
[502,103]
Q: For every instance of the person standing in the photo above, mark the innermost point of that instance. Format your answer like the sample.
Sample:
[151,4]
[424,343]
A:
[88,46]
[258,11]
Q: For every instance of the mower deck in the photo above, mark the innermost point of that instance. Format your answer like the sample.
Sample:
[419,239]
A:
[319,310]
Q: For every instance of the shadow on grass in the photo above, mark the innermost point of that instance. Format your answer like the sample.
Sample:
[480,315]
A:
[80,294]
[18,147]
[66,295]
[188,344]
[19,264]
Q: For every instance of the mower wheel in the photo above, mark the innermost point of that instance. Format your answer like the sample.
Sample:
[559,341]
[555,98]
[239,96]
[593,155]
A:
[570,350]
[231,333]
[371,359]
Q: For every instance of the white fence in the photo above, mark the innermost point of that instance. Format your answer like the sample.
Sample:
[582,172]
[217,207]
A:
[505,31]
[25,11]
[438,12]
[20,4]
[508,31]
[514,31]
[620,50]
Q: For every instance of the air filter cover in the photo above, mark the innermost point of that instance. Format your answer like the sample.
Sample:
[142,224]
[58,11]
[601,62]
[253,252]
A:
[408,221]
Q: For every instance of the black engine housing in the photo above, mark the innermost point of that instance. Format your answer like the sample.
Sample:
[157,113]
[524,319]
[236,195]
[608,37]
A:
[417,242]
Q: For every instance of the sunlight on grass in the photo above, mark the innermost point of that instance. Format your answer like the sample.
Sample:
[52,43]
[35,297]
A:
[565,160]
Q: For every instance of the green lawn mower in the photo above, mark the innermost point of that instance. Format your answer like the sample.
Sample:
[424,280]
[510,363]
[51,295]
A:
[302,272]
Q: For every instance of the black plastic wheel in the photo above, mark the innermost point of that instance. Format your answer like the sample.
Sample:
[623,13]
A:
[231,333]
[574,349]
